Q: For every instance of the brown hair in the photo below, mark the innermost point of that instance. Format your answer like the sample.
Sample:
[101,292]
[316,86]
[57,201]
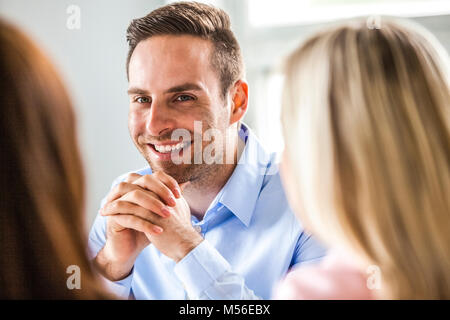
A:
[42,227]
[196,19]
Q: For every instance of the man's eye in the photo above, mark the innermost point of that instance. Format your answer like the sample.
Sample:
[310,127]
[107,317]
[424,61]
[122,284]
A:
[184,98]
[142,100]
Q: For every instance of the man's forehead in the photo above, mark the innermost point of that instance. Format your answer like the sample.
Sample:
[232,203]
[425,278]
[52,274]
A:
[176,87]
[164,62]
[167,83]
[179,49]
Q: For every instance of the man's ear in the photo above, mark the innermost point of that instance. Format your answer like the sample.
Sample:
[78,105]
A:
[239,101]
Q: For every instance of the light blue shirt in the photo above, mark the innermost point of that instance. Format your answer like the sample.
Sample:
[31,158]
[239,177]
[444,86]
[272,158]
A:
[252,239]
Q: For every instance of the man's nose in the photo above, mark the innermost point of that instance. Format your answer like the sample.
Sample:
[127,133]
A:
[159,119]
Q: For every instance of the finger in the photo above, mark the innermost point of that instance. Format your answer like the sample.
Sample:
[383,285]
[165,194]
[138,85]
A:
[148,200]
[152,183]
[136,223]
[131,177]
[170,182]
[121,189]
[140,198]
[125,207]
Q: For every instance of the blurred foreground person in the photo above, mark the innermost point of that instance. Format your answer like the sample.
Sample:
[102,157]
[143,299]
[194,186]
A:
[42,234]
[366,167]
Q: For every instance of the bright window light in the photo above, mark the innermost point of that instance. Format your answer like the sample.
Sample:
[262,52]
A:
[269,122]
[269,13]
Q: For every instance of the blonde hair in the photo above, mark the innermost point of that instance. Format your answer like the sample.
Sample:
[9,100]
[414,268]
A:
[366,125]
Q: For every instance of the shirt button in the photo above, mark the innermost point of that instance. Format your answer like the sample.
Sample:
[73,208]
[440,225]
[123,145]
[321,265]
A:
[198,229]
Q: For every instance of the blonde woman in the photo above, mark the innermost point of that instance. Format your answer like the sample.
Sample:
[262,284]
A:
[366,167]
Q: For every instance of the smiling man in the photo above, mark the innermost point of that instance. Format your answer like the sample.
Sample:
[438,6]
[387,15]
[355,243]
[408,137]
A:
[208,218]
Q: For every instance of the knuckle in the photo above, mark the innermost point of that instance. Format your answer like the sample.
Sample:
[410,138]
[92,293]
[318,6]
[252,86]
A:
[130,176]
[111,221]
[114,206]
[150,195]
[122,185]
[172,179]
[157,219]
[146,180]
[147,227]
[136,193]
[154,204]
[119,188]
[168,193]
[141,224]
[156,198]
[128,219]
[147,177]
[169,183]
[106,207]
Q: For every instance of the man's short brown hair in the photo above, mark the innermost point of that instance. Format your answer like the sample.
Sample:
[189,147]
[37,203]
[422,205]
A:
[196,19]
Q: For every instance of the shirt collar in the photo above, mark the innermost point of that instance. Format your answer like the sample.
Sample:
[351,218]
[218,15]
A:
[242,189]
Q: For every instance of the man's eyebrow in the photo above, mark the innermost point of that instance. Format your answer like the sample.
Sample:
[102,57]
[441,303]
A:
[185,87]
[136,90]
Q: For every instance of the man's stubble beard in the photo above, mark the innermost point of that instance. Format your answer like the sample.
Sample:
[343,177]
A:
[196,173]
[180,172]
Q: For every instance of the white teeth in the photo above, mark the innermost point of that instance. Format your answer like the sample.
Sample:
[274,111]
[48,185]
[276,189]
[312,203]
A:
[167,149]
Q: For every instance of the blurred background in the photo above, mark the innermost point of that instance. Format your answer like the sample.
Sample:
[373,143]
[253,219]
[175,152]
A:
[86,40]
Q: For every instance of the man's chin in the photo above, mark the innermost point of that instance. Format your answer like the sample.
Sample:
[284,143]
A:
[180,172]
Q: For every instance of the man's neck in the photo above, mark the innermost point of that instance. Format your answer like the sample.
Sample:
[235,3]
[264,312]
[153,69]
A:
[201,193]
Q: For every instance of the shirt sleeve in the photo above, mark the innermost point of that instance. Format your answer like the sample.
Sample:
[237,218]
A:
[307,251]
[121,288]
[206,275]
[97,240]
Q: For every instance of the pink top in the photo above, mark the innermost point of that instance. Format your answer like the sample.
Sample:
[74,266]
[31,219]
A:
[334,278]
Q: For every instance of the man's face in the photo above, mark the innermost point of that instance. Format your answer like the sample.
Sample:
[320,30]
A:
[171,85]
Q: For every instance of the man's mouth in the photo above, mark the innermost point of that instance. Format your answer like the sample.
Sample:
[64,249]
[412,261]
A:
[167,148]
[170,147]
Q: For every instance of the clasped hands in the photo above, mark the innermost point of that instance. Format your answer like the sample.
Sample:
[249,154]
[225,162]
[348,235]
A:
[148,209]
